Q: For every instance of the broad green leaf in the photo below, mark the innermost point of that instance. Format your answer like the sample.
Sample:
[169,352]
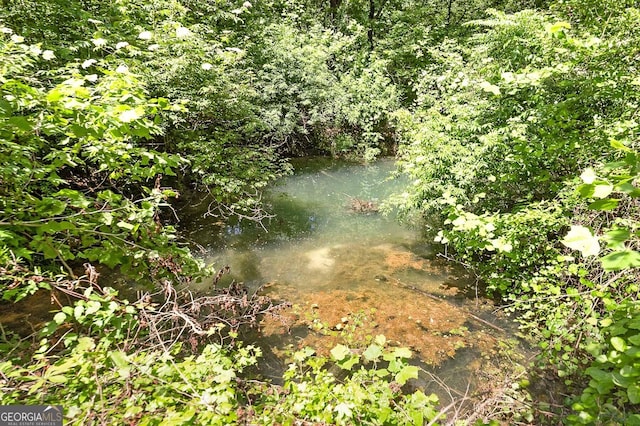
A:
[616,237]
[21,123]
[344,410]
[490,88]
[633,392]
[598,375]
[348,362]
[57,379]
[119,359]
[402,353]
[85,344]
[125,225]
[107,218]
[60,317]
[619,145]
[559,26]
[49,207]
[586,190]
[224,376]
[604,205]
[620,380]
[52,227]
[621,260]
[78,311]
[303,354]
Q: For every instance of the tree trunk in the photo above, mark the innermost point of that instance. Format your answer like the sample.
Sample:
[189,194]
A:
[333,11]
[372,18]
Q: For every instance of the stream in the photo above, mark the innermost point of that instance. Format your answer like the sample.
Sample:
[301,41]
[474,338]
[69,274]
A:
[351,272]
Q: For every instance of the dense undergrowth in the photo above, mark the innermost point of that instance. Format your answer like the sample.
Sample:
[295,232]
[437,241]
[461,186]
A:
[517,123]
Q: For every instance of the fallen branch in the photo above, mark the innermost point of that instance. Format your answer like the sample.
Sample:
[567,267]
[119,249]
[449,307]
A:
[178,315]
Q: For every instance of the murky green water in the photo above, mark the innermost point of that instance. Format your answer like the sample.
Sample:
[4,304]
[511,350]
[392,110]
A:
[352,274]
[313,225]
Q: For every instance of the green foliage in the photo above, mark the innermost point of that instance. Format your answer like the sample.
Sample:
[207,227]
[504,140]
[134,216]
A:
[613,394]
[311,96]
[99,373]
[369,394]
[503,122]
[78,180]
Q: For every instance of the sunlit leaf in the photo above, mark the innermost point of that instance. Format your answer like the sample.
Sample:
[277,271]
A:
[588,176]
[60,317]
[344,410]
[339,352]
[402,353]
[619,145]
[559,26]
[372,353]
[602,191]
[490,88]
[619,344]
[580,238]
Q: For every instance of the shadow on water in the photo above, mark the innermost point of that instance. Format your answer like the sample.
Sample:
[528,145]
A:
[352,273]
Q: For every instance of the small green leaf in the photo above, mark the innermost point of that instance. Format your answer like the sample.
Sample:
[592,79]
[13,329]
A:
[20,123]
[559,26]
[119,359]
[402,353]
[303,354]
[125,225]
[78,311]
[586,190]
[619,344]
[619,145]
[598,375]
[85,344]
[349,362]
[57,379]
[344,410]
[373,352]
[407,372]
[60,317]
[489,88]
[616,237]
[340,352]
